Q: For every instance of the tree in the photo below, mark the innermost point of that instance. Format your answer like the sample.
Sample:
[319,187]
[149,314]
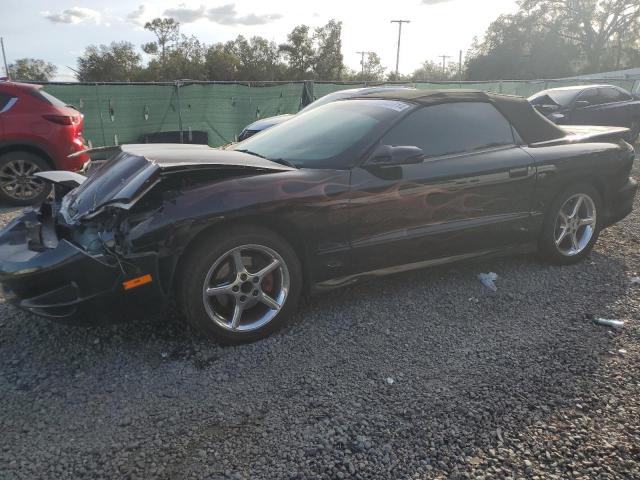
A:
[329,60]
[432,71]
[32,69]
[185,60]
[300,53]
[556,38]
[166,30]
[520,47]
[258,59]
[372,69]
[116,62]
[220,63]
[597,27]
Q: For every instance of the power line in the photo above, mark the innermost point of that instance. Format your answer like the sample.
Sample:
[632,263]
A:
[399,22]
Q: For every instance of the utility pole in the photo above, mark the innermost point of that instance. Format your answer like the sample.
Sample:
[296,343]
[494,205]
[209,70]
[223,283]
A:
[460,68]
[4,57]
[399,22]
[362,54]
[444,60]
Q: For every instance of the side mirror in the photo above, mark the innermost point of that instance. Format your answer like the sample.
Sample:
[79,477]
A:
[582,104]
[401,155]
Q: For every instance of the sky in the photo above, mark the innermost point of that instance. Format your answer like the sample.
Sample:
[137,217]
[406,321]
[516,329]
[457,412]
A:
[58,30]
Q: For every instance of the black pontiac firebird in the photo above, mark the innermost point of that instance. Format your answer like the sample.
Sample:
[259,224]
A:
[356,188]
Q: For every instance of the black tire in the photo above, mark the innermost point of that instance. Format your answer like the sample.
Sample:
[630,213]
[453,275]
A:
[11,165]
[195,267]
[547,242]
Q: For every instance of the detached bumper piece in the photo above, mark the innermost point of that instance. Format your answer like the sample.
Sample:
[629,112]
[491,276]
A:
[52,277]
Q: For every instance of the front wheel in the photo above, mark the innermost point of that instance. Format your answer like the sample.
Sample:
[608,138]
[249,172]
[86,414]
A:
[241,285]
[572,225]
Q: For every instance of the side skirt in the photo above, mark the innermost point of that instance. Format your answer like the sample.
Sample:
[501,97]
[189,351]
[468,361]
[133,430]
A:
[331,284]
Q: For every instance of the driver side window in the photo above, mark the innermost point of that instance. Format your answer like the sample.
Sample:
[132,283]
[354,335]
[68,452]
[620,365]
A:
[452,128]
[592,96]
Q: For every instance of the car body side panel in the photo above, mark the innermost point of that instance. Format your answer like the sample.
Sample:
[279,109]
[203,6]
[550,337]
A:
[617,113]
[440,207]
[310,205]
[605,165]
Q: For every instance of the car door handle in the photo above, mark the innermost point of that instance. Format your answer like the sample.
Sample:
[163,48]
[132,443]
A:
[518,172]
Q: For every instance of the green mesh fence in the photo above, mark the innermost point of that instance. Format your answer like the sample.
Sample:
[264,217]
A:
[129,113]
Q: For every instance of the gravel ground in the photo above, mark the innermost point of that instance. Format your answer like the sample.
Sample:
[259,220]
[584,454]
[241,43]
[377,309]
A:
[421,375]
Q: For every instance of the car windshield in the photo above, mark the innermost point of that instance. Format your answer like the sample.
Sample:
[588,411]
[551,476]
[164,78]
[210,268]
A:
[331,136]
[563,98]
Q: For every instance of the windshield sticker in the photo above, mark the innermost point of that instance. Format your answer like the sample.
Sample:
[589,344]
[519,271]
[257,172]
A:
[395,105]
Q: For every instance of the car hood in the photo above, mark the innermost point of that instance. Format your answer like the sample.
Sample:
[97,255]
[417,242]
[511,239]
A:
[135,169]
[268,122]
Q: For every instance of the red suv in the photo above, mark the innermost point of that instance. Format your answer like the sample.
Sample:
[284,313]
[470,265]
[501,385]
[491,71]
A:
[37,133]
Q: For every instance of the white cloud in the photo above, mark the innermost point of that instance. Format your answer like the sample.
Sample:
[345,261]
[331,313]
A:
[74,15]
[137,15]
[433,2]
[186,15]
[222,15]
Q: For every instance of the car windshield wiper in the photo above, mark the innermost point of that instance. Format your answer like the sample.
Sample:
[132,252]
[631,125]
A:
[255,154]
[281,161]
[284,162]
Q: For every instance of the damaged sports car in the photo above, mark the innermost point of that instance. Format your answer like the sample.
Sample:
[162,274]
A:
[356,188]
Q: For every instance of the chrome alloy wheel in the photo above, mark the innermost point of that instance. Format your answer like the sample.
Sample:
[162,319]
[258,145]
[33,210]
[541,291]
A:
[246,288]
[575,224]
[17,181]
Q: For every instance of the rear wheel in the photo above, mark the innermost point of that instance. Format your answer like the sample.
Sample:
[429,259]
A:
[572,225]
[241,285]
[18,186]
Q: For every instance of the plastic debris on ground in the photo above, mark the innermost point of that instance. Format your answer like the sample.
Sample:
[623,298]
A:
[389,380]
[635,280]
[488,280]
[605,322]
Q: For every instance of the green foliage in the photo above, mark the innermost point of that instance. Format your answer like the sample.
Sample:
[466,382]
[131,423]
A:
[300,53]
[329,60]
[432,71]
[166,30]
[32,69]
[305,55]
[555,38]
[109,63]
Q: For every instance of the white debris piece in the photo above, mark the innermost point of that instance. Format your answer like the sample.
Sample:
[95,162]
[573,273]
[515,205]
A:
[488,280]
[389,380]
[635,280]
[617,324]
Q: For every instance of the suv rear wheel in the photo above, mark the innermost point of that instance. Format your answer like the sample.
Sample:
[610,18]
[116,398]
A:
[18,186]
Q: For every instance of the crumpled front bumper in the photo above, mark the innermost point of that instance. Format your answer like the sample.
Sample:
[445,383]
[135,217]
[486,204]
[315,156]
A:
[52,277]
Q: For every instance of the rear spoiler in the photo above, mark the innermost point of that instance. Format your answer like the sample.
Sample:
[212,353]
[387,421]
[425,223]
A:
[586,133]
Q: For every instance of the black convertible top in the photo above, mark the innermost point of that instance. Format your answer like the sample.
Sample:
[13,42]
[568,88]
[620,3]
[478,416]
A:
[530,125]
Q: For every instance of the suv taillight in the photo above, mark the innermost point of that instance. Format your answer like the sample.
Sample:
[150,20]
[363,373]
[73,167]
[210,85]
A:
[63,119]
